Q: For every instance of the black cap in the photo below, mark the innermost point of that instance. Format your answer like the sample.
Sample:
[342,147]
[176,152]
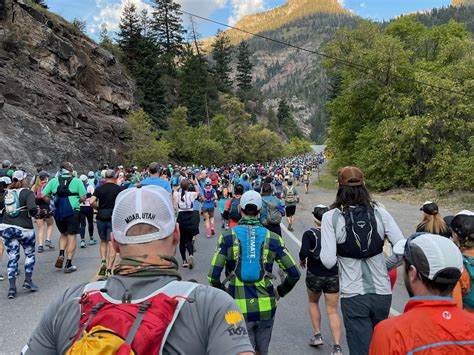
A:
[318,212]
[463,224]
[430,208]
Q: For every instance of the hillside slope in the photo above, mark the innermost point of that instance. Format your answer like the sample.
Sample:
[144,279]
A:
[61,95]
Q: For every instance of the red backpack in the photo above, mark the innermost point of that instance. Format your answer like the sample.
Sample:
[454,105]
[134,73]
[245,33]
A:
[110,326]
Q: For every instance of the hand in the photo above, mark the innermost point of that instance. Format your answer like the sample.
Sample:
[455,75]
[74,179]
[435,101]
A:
[303,264]
[277,296]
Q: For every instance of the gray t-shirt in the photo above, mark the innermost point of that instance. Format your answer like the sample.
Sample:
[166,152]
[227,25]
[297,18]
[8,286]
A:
[201,327]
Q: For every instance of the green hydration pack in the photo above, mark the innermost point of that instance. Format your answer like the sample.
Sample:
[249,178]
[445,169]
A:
[468,298]
[250,252]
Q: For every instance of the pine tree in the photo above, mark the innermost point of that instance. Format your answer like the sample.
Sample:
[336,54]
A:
[104,39]
[167,27]
[244,68]
[197,89]
[222,55]
[130,37]
[41,3]
[286,121]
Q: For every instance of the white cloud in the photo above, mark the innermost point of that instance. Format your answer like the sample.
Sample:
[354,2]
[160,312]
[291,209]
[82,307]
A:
[341,2]
[363,5]
[109,11]
[241,8]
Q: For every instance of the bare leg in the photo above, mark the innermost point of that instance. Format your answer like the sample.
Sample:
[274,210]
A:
[40,223]
[332,299]
[314,312]
[111,256]
[103,250]
[71,246]
[49,231]
[62,241]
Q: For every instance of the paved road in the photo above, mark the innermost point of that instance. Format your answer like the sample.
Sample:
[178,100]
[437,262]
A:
[292,329]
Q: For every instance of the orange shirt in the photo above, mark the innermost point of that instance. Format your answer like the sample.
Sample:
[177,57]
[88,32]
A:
[232,223]
[430,325]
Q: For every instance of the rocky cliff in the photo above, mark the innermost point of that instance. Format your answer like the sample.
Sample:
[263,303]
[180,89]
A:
[61,95]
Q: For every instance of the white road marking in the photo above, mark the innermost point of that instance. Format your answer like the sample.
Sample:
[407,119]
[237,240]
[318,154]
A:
[393,312]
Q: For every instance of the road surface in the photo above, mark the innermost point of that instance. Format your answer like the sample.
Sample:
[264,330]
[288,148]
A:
[292,329]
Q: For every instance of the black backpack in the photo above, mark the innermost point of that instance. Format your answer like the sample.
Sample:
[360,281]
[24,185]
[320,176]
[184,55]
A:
[234,209]
[362,238]
[316,251]
[63,208]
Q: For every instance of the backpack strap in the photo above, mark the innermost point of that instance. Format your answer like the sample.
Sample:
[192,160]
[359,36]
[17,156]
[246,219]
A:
[315,240]
[181,290]
[335,218]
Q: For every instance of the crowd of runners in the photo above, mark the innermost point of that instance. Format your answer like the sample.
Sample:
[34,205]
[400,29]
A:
[144,216]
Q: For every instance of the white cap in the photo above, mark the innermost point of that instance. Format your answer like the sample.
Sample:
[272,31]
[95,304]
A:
[251,198]
[208,181]
[434,256]
[148,205]
[6,180]
[18,175]
[83,177]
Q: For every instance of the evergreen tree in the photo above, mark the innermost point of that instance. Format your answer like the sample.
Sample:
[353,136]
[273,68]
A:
[141,57]
[286,121]
[167,27]
[130,37]
[244,68]
[41,3]
[222,55]
[104,39]
[197,88]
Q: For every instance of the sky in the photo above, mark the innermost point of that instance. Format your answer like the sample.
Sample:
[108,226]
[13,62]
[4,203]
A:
[97,12]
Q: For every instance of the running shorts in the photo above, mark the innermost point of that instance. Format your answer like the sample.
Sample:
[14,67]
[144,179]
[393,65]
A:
[326,284]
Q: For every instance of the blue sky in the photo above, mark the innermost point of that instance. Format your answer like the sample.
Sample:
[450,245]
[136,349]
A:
[96,12]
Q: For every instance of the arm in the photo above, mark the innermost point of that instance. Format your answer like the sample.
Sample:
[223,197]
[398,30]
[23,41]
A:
[305,246]
[288,266]
[47,192]
[94,199]
[394,235]
[31,204]
[225,215]
[82,192]
[218,263]
[328,241]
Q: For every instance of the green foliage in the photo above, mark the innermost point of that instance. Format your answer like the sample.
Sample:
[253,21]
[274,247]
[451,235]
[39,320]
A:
[41,3]
[197,88]
[143,144]
[286,121]
[400,132]
[79,24]
[167,27]
[297,146]
[222,55]
[244,68]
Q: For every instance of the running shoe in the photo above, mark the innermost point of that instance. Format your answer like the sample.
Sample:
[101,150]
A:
[213,232]
[30,286]
[40,249]
[336,350]
[83,243]
[48,245]
[316,340]
[108,273]
[92,242]
[59,262]
[11,293]
[190,262]
[185,264]
[70,269]
[103,269]
[2,277]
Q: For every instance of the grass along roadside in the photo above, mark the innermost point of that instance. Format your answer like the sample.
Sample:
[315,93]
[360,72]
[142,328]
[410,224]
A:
[453,201]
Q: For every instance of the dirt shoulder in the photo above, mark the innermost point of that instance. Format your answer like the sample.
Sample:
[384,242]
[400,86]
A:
[451,201]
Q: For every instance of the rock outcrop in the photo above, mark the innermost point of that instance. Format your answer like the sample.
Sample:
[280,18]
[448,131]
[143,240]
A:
[61,95]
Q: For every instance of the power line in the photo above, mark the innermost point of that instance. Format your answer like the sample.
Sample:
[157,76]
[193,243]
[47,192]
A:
[359,67]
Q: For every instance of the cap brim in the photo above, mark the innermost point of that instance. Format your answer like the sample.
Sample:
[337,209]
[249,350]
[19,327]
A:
[399,247]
